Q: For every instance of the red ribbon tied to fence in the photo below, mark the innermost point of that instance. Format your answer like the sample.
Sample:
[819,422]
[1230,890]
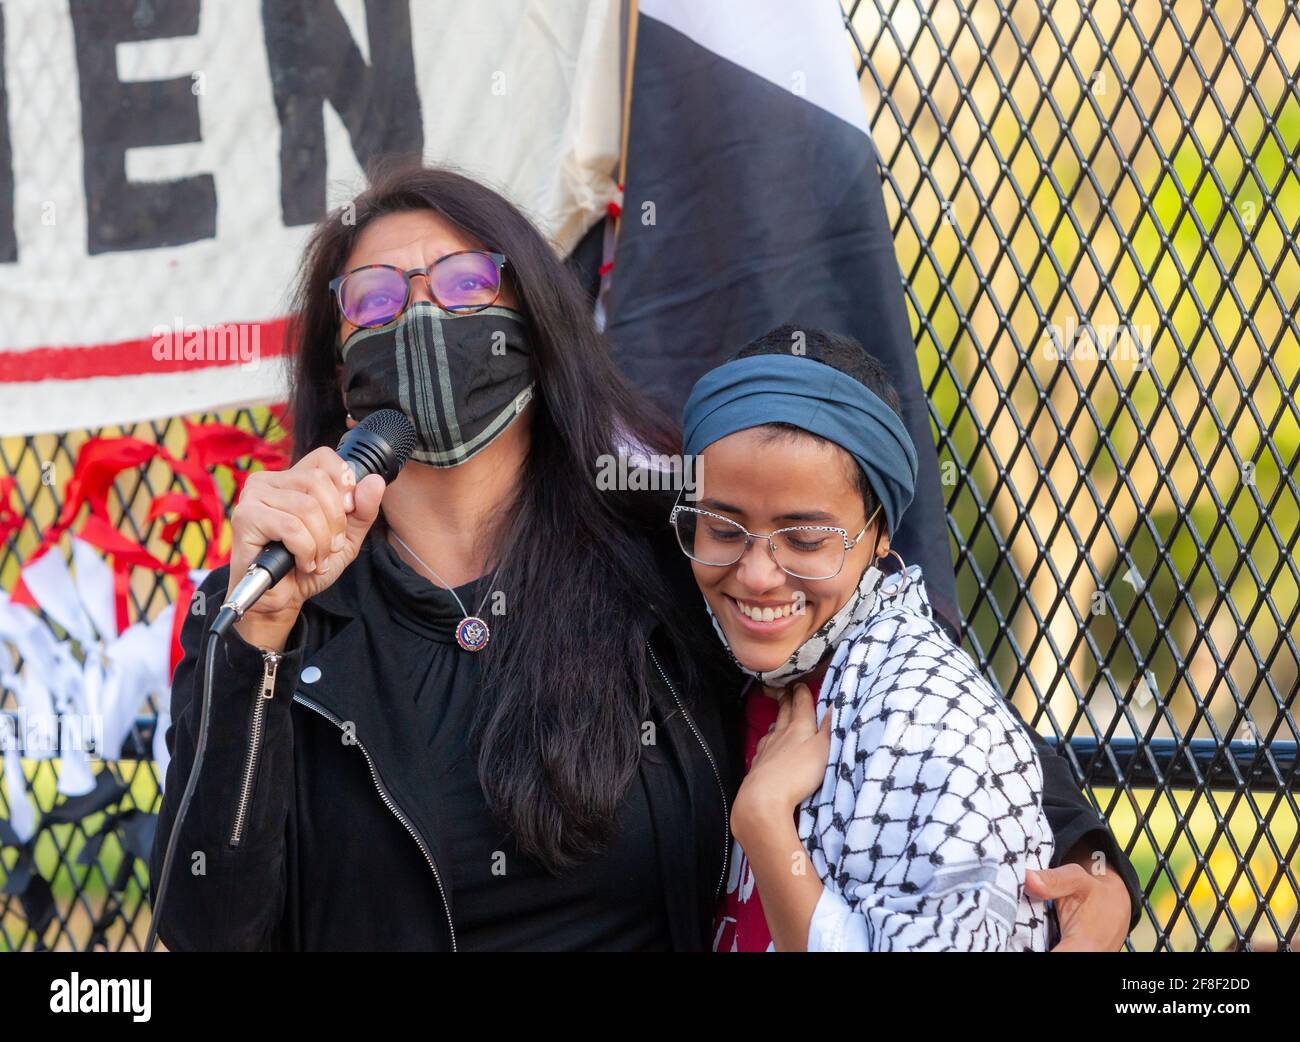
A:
[98,464]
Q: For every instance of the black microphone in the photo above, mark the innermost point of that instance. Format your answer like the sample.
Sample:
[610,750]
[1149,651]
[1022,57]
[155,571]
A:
[379,444]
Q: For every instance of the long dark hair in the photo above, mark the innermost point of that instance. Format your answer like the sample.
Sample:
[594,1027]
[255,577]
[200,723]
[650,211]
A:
[557,731]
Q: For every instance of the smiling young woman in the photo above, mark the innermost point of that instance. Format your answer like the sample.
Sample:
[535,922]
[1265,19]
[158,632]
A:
[776,599]
[914,812]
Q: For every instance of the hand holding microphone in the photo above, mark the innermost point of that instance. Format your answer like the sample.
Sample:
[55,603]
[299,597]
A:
[303,526]
[294,533]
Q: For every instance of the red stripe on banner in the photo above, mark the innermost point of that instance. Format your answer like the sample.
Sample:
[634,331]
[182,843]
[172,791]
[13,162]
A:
[148,356]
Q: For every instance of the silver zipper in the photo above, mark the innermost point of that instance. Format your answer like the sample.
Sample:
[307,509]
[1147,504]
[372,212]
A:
[726,811]
[392,806]
[270,665]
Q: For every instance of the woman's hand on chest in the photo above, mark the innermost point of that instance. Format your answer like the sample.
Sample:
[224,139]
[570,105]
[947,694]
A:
[789,764]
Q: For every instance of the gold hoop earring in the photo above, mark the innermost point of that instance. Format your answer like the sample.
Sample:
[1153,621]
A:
[904,580]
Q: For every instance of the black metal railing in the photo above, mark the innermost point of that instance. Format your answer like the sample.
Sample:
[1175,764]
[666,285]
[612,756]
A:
[1122,501]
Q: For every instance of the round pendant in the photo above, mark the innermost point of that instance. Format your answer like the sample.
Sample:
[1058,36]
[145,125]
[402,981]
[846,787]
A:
[472,634]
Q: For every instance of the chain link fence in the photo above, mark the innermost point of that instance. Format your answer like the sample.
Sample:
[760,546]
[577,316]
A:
[1095,210]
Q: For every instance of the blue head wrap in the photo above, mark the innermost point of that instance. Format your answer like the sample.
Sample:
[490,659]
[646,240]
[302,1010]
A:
[818,398]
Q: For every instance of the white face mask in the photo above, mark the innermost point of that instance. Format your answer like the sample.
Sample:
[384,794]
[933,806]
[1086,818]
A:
[808,655]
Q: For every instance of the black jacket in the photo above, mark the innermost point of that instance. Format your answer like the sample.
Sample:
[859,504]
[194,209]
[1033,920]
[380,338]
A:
[306,833]
[332,848]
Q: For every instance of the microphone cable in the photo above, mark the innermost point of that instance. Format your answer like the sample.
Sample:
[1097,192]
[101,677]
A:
[191,783]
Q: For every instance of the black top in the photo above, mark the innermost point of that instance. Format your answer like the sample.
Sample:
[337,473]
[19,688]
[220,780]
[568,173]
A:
[503,899]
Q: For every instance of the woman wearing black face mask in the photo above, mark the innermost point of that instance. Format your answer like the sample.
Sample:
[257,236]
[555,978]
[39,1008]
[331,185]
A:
[471,717]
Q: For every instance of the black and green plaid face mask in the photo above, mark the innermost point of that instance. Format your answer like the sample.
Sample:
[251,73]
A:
[461,380]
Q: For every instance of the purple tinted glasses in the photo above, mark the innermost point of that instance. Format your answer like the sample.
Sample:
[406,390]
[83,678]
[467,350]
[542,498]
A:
[460,283]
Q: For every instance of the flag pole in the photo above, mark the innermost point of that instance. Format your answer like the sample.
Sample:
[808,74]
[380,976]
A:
[633,14]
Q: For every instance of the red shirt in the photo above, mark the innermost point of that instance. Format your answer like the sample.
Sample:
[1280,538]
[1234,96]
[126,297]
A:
[739,925]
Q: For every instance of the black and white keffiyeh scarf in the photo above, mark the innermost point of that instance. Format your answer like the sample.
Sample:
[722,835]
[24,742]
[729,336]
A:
[931,807]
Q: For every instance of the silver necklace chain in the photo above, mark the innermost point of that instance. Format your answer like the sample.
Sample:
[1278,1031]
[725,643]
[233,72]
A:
[446,585]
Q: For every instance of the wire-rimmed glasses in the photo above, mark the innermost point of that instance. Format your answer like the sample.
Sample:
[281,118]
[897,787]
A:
[802,551]
[460,283]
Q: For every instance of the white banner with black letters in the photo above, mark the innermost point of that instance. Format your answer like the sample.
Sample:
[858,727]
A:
[162,163]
